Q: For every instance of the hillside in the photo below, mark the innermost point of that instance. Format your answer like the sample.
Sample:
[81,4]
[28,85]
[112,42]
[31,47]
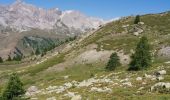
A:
[78,70]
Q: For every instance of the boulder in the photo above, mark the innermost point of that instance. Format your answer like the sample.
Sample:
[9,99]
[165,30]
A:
[160,85]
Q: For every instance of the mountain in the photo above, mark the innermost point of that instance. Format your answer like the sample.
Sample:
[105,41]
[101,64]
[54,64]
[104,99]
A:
[20,20]
[78,69]
[23,17]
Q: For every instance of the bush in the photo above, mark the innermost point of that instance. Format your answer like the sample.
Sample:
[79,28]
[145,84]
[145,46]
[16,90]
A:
[113,62]
[142,57]
[14,89]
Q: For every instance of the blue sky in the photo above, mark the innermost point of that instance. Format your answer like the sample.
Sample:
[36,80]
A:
[105,9]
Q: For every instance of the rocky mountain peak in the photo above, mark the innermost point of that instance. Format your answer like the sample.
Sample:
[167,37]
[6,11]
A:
[23,17]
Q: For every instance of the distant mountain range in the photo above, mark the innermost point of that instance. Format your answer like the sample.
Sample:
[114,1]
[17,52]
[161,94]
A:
[23,17]
[20,20]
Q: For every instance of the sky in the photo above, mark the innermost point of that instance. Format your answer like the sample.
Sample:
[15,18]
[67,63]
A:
[106,9]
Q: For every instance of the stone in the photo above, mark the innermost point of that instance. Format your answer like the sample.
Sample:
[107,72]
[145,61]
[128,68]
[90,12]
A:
[105,89]
[77,97]
[160,84]
[68,85]
[162,72]
[70,94]
[160,78]
[141,88]
[51,98]
[66,77]
[124,80]
[139,78]
[136,33]
[127,84]
[32,89]
[141,23]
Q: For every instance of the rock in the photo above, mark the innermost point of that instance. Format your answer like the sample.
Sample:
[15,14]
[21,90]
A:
[124,26]
[87,83]
[32,89]
[68,85]
[160,78]
[141,88]
[141,23]
[160,84]
[127,84]
[105,89]
[77,97]
[34,98]
[139,78]
[124,80]
[51,98]
[164,52]
[136,33]
[70,94]
[162,72]
[150,77]
[66,77]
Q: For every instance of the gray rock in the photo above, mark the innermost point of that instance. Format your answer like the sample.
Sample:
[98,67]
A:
[160,84]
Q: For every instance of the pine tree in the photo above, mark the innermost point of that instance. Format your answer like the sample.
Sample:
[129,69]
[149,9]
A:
[14,88]
[1,60]
[137,19]
[37,52]
[142,57]
[113,62]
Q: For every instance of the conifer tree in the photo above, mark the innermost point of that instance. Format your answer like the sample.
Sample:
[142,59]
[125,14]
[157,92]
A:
[1,60]
[14,89]
[113,62]
[137,19]
[37,52]
[9,58]
[141,59]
